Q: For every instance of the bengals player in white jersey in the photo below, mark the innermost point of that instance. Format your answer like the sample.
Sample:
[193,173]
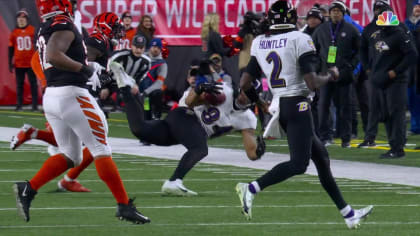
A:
[72,112]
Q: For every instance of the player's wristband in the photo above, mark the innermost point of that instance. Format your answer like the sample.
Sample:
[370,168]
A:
[87,70]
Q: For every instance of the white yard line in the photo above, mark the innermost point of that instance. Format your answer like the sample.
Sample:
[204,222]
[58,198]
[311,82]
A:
[207,224]
[89,208]
[341,169]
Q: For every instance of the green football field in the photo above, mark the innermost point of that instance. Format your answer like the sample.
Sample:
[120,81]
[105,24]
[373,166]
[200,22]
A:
[298,206]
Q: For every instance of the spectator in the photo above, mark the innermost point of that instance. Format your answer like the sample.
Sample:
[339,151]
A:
[125,42]
[146,29]
[337,43]
[216,62]
[153,86]
[375,96]
[324,8]
[359,93]
[211,40]
[21,49]
[413,23]
[394,54]
[314,18]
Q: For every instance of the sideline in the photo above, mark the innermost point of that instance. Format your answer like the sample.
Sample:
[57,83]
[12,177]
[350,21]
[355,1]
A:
[381,173]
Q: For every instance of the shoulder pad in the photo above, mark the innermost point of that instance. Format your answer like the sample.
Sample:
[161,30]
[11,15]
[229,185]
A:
[62,22]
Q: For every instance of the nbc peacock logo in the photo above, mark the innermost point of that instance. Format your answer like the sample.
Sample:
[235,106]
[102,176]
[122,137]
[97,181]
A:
[387,18]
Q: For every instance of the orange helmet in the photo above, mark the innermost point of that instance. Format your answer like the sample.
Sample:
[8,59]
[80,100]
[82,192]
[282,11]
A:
[50,8]
[109,24]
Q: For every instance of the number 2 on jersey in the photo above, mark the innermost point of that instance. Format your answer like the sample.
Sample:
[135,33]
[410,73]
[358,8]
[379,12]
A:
[275,81]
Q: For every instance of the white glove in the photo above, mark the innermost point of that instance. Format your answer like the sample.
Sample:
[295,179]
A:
[94,79]
[98,68]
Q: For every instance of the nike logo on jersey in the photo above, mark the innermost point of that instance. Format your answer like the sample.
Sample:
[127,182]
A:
[24,191]
[99,41]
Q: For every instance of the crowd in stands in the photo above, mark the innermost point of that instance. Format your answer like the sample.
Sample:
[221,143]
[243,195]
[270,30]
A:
[370,82]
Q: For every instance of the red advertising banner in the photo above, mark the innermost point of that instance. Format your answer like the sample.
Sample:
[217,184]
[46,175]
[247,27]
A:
[180,21]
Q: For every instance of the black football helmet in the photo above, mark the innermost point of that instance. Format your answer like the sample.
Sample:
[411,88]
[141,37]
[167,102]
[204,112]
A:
[282,15]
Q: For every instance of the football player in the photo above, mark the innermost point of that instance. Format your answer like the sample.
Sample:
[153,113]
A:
[99,47]
[289,58]
[72,112]
[191,124]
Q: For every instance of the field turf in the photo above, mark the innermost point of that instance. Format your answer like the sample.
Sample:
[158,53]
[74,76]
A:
[298,206]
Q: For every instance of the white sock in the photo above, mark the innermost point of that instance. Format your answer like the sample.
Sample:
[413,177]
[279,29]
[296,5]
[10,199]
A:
[346,211]
[66,178]
[34,134]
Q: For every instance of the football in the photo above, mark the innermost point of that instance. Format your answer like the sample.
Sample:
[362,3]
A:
[215,99]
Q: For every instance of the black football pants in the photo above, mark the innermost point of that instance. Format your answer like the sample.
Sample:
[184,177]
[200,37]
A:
[296,120]
[181,126]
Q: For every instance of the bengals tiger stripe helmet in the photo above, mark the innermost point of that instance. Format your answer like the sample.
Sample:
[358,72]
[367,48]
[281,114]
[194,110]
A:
[109,24]
[50,8]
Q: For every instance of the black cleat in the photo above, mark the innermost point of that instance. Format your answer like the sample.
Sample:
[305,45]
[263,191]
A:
[393,154]
[129,212]
[24,196]
[366,144]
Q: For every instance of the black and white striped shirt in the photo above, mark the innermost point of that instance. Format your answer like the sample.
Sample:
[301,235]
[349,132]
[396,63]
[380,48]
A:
[136,67]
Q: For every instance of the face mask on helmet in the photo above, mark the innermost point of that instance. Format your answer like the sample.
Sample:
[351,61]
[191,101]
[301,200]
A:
[281,15]
[109,24]
[50,8]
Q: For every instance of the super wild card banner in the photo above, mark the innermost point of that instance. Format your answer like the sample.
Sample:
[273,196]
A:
[180,21]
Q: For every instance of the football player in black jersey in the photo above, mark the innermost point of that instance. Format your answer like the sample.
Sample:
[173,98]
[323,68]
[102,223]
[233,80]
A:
[72,112]
[293,67]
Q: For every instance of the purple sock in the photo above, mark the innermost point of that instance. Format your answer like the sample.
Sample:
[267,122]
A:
[351,214]
[252,189]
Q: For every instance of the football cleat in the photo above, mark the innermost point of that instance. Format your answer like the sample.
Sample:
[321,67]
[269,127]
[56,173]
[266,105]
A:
[246,198]
[24,134]
[71,186]
[366,144]
[129,212]
[121,77]
[360,214]
[176,188]
[24,196]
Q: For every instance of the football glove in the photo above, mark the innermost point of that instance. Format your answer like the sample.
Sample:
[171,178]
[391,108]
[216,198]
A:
[208,87]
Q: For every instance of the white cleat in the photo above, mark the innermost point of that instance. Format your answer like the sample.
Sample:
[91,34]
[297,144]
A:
[25,134]
[246,198]
[360,214]
[120,75]
[176,188]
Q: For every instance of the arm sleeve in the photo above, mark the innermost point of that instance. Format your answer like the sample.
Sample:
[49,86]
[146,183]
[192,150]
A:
[356,48]
[253,68]
[163,70]
[11,53]
[305,45]
[216,40]
[309,62]
[11,47]
[155,86]
[409,51]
